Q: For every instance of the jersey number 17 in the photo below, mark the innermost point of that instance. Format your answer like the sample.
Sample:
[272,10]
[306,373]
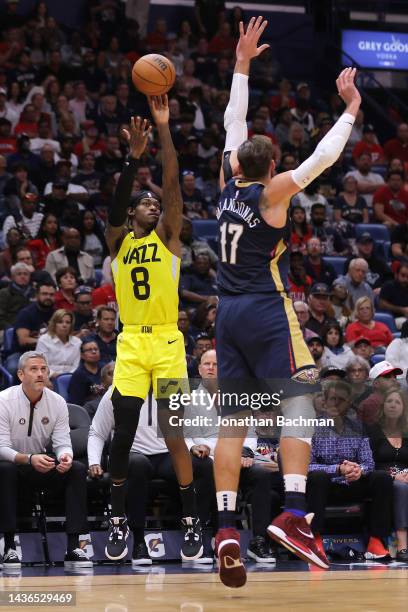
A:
[230,235]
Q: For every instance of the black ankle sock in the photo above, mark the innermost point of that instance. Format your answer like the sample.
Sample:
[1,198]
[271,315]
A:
[72,541]
[188,500]
[226,518]
[9,541]
[138,536]
[295,501]
[118,498]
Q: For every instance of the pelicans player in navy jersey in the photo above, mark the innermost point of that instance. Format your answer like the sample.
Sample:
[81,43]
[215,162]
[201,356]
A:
[257,333]
[145,249]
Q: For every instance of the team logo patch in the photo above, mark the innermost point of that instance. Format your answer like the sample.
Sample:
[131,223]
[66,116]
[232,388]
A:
[22,421]
[310,375]
[45,420]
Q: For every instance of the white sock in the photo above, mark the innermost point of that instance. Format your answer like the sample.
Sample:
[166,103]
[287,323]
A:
[226,500]
[295,483]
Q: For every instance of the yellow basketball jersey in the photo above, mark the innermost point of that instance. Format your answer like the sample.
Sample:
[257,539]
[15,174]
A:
[146,276]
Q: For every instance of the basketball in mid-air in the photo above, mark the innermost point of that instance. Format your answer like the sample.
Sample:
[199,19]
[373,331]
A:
[153,74]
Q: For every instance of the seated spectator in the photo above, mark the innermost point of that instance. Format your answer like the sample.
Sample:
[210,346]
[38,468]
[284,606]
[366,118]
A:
[111,160]
[398,147]
[342,470]
[199,284]
[87,176]
[253,477]
[67,282]
[335,352]
[48,239]
[378,270]
[349,204]
[8,142]
[29,323]
[369,144]
[149,458]
[47,168]
[195,207]
[203,343]
[222,41]
[367,181]
[16,296]
[23,159]
[299,283]
[204,319]
[391,201]
[25,465]
[316,348]
[300,111]
[71,255]
[191,247]
[355,282]
[309,196]
[183,323]
[383,377]
[145,179]
[365,326]
[105,335]
[43,138]
[399,241]
[357,371]
[394,295]
[106,382]
[104,296]
[16,188]
[84,319]
[397,350]
[332,372]
[92,142]
[61,190]
[92,237]
[25,217]
[362,347]
[301,231]
[389,444]
[302,312]
[60,347]
[333,238]
[283,101]
[320,308]
[14,240]
[297,145]
[86,379]
[319,270]
[338,300]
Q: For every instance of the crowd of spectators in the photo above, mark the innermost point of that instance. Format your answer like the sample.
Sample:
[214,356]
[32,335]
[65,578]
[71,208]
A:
[64,98]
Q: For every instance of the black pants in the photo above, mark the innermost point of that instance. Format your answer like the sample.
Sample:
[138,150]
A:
[264,489]
[143,468]
[14,478]
[377,486]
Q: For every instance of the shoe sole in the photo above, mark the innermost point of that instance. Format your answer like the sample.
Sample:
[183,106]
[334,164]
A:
[201,560]
[235,576]
[139,562]
[13,566]
[122,555]
[77,564]
[255,557]
[372,556]
[278,535]
[196,556]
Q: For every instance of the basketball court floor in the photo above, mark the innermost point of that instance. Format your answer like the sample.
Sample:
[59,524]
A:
[171,587]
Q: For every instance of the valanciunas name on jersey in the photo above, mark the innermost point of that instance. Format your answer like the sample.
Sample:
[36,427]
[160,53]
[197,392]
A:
[241,209]
[144,253]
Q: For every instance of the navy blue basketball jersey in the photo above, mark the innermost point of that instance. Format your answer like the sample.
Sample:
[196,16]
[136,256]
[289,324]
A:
[253,256]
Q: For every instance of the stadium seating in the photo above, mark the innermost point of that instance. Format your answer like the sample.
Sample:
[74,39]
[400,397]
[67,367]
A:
[337,263]
[5,378]
[387,318]
[61,385]
[7,342]
[376,231]
[377,359]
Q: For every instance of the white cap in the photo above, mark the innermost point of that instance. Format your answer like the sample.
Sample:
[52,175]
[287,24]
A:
[382,368]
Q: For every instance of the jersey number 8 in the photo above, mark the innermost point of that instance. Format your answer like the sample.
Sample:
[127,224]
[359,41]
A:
[235,230]
[140,279]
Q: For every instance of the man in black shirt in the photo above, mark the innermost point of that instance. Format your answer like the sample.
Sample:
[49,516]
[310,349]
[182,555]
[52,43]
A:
[199,285]
[394,295]
[84,319]
[399,241]
[379,272]
[319,303]
[29,322]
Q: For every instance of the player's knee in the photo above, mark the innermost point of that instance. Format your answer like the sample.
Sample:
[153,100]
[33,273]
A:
[298,413]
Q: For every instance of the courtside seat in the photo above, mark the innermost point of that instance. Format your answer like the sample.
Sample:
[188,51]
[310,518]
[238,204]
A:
[61,385]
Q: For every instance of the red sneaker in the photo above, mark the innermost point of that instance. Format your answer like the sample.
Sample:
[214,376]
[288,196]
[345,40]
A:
[294,533]
[376,549]
[231,569]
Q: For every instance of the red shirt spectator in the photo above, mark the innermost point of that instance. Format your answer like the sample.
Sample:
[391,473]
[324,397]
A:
[369,144]
[398,147]
[379,335]
[391,201]
[105,296]
[222,41]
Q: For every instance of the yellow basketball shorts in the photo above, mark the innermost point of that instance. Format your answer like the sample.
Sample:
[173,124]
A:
[148,355]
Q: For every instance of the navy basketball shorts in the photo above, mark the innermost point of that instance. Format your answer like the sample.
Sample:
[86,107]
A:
[260,347]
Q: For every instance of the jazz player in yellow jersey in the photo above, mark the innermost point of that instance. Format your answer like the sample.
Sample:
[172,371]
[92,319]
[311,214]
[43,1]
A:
[145,249]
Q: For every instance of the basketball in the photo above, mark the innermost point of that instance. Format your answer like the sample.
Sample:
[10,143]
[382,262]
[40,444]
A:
[153,74]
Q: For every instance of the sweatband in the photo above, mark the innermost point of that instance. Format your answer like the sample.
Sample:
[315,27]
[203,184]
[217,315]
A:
[117,212]
[326,153]
[235,114]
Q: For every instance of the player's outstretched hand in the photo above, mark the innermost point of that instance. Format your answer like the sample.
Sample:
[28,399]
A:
[137,136]
[247,47]
[346,87]
[159,107]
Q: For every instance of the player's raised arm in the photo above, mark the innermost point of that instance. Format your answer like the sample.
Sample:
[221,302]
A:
[283,186]
[169,226]
[137,137]
[235,114]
